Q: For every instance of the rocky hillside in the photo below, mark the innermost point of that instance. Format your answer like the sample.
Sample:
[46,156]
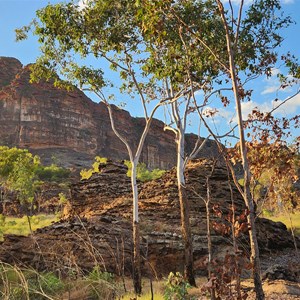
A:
[71,127]
[97,229]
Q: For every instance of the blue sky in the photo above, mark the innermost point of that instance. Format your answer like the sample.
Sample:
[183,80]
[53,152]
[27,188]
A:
[17,13]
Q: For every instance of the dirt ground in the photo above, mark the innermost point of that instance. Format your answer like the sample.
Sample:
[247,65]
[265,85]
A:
[284,265]
[281,273]
[281,288]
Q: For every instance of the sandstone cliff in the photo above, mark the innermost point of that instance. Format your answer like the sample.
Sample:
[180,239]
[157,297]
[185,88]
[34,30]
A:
[68,125]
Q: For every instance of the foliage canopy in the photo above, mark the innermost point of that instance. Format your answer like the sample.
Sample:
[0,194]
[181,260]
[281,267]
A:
[22,172]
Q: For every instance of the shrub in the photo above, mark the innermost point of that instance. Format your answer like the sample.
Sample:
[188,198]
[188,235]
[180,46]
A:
[47,283]
[2,224]
[176,287]
[16,284]
[143,174]
[52,173]
[98,275]
[102,284]
[86,174]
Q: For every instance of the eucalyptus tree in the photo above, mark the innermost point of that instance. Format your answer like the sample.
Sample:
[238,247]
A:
[182,64]
[250,39]
[18,174]
[106,32]
[258,36]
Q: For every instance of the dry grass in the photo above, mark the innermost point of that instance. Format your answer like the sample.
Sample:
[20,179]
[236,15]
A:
[157,286]
[158,290]
[19,226]
[284,218]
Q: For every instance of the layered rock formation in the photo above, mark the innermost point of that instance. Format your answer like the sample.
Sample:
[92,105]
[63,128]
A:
[98,226]
[68,125]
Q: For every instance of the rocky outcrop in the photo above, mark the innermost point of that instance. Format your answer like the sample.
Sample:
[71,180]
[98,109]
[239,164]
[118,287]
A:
[68,125]
[281,272]
[73,246]
[97,228]
[109,192]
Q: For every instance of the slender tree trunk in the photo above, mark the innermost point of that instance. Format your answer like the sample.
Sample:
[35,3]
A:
[29,224]
[292,231]
[151,289]
[234,241]
[209,245]
[208,233]
[134,159]
[208,228]
[137,279]
[256,270]
[185,214]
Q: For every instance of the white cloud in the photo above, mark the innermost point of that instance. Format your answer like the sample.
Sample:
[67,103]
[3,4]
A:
[273,84]
[275,71]
[270,89]
[290,107]
[247,108]
[199,93]
[226,114]
[287,1]
[219,114]
[225,118]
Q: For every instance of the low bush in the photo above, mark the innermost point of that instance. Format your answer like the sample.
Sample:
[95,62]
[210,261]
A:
[177,287]
[144,174]
[52,173]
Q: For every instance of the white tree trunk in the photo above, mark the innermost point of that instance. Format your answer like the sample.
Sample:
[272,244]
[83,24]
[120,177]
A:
[134,187]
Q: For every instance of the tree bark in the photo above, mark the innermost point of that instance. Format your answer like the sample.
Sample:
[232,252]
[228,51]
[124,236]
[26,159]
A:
[185,214]
[256,270]
[208,233]
[137,278]
[187,236]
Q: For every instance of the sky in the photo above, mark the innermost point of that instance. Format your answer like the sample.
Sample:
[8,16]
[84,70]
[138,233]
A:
[17,13]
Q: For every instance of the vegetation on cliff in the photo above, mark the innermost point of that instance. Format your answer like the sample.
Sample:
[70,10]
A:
[143,173]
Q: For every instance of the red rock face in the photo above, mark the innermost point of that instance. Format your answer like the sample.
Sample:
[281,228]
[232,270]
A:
[71,127]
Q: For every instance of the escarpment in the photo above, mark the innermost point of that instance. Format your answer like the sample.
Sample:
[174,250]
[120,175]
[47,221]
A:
[71,127]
